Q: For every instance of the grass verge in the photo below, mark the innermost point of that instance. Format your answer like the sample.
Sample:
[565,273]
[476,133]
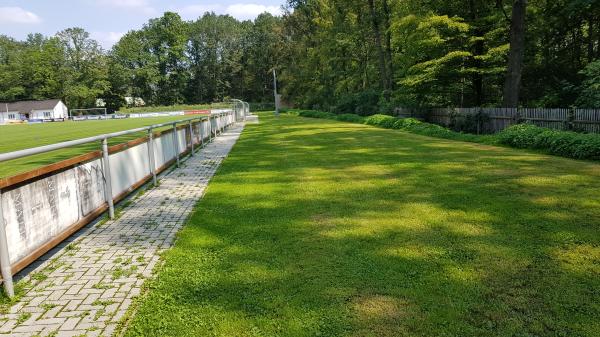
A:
[322,228]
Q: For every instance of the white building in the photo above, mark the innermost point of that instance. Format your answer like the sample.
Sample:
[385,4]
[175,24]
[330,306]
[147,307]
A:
[51,109]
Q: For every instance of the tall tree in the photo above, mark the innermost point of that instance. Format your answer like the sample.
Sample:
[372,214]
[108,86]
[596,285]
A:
[383,66]
[515,56]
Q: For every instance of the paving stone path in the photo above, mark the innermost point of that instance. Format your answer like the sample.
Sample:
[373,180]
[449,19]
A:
[87,287]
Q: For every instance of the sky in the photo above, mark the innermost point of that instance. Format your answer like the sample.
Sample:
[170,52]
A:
[108,20]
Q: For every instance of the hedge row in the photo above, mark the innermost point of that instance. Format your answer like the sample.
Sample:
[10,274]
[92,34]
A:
[406,124]
[562,143]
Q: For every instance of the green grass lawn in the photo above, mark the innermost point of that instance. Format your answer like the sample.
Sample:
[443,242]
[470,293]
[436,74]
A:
[178,107]
[322,228]
[23,136]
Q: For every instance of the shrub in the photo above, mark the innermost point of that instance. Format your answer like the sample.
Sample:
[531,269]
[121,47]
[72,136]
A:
[403,123]
[520,136]
[383,121]
[562,143]
[352,118]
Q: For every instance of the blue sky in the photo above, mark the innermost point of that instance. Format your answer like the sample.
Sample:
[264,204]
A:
[108,20]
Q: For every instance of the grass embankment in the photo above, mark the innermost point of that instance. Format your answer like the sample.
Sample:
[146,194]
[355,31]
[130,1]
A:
[23,136]
[322,228]
[178,107]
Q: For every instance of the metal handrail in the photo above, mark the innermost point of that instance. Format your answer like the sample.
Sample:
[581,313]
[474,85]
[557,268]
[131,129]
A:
[57,146]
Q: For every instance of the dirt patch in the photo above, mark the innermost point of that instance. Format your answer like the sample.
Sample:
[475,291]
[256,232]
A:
[380,315]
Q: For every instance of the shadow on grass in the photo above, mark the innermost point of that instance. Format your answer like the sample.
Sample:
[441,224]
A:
[319,228]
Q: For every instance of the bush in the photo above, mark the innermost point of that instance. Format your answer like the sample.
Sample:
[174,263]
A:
[404,123]
[352,118]
[383,121]
[562,143]
[521,136]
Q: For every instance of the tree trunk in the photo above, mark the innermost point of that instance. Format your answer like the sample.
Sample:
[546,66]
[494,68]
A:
[375,26]
[515,56]
[388,45]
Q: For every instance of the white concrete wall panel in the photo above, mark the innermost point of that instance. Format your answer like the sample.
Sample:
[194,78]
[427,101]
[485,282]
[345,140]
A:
[36,212]
[128,167]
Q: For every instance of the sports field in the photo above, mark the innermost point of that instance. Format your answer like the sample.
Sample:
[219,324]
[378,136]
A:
[314,227]
[23,136]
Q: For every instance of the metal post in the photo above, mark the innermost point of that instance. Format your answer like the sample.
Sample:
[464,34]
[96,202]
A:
[201,133]
[5,267]
[107,179]
[151,161]
[192,136]
[176,142]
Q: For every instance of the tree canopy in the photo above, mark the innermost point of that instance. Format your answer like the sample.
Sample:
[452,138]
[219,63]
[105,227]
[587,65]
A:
[361,56]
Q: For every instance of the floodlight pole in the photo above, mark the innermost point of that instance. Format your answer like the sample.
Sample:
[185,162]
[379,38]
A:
[275,92]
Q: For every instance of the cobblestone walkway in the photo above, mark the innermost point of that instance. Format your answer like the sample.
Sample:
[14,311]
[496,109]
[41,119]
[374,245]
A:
[87,288]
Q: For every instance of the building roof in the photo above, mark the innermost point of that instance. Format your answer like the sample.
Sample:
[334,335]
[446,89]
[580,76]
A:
[28,106]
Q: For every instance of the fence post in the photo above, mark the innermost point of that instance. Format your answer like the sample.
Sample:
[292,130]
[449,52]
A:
[107,179]
[211,129]
[201,133]
[5,267]
[176,142]
[192,136]
[571,119]
[517,116]
[151,160]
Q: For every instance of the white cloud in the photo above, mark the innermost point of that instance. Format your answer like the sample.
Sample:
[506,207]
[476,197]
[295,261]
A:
[194,11]
[17,15]
[139,5]
[107,39]
[239,11]
[251,11]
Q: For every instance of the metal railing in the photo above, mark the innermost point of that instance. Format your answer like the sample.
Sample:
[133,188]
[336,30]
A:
[215,127]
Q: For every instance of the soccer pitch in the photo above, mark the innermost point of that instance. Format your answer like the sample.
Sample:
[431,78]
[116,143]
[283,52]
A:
[23,136]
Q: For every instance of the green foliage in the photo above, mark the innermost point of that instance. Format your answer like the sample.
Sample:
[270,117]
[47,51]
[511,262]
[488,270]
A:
[352,118]
[589,96]
[329,54]
[363,103]
[383,121]
[561,143]
[404,123]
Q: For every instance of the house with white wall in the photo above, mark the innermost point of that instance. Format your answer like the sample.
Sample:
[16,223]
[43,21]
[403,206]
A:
[50,109]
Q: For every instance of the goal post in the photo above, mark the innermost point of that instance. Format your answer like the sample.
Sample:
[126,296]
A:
[89,113]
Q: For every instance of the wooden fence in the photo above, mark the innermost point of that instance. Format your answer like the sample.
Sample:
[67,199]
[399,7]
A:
[490,120]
